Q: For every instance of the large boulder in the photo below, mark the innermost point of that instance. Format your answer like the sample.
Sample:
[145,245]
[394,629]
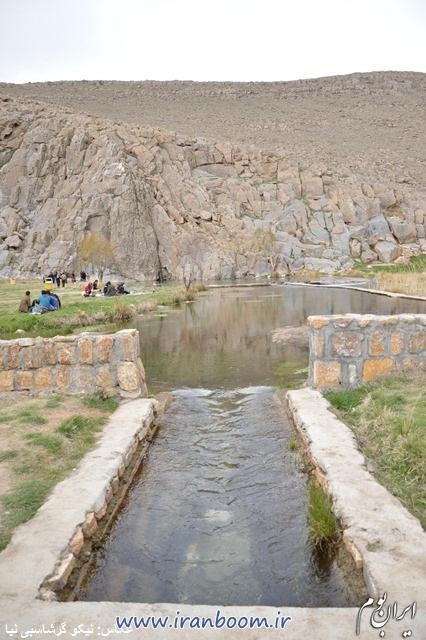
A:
[377,229]
[14,241]
[299,211]
[295,336]
[385,194]
[403,231]
[368,255]
[387,251]
[3,231]
[312,186]
[322,265]
[316,234]
[355,248]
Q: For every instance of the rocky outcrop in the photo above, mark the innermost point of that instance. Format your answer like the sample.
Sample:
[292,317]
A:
[297,336]
[167,202]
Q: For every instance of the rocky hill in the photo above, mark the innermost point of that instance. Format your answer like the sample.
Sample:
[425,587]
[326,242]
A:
[371,124]
[168,200]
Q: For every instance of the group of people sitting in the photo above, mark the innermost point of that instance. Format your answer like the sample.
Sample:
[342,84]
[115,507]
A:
[119,290]
[109,289]
[49,301]
[46,301]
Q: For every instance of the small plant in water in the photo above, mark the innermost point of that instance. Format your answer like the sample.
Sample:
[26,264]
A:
[121,313]
[323,526]
[146,307]
[293,445]
[198,286]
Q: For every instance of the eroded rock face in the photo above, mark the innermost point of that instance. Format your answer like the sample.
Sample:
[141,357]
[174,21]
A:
[165,201]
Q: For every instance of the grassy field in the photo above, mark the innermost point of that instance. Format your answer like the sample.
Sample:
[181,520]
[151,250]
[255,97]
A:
[400,278]
[41,441]
[77,311]
[389,421]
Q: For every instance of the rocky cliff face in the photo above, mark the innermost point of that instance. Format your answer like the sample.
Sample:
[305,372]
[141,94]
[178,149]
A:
[167,201]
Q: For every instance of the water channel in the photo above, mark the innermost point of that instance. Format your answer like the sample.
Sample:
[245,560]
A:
[217,513]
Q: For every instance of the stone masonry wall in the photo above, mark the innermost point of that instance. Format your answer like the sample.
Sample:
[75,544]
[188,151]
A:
[349,350]
[83,363]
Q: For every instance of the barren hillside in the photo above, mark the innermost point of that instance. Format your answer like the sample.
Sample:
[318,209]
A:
[372,124]
[232,179]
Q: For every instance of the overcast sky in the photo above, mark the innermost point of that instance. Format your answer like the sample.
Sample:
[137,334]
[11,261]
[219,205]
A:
[208,40]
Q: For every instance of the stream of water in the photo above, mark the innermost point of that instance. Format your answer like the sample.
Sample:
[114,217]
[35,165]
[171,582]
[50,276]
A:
[217,514]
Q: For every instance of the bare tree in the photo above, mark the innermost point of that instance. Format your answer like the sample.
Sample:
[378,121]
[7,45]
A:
[237,247]
[265,244]
[192,251]
[98,251]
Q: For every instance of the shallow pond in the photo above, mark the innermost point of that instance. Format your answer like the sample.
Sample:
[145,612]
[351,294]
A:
[217,513]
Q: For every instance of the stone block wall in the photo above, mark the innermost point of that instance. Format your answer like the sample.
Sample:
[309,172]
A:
[83,363]
[349,350]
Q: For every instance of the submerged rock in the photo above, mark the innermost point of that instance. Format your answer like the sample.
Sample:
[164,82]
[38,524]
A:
[297,336]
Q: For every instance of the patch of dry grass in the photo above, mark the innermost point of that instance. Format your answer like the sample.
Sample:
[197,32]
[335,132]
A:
[411,283]
[408,277]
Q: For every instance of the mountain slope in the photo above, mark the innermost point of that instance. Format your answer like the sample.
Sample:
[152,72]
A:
[168,201]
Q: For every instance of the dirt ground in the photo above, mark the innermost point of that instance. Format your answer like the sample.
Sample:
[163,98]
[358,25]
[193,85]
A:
[372,124]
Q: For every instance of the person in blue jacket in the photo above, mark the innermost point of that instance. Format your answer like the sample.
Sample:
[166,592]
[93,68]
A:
[45,301]
[54,301]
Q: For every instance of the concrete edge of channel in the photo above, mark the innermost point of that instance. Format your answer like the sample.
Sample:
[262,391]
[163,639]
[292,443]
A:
[385,540]
[305,622]
[379,292]
[75,504]
[43,552]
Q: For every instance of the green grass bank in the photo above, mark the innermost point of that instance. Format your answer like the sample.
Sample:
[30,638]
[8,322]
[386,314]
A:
[388,418]
[78,311]
[41,442]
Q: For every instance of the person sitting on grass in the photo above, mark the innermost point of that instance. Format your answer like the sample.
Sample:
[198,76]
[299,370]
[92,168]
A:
[54,301]
[109,289]
[55,295]
[43,303]
[96,285]
[122,288]
[88,290]
[25,304]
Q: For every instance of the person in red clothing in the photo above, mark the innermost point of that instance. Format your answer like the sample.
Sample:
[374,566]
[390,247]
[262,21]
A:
[88,290]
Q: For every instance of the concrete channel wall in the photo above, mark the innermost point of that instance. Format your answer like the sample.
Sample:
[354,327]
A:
[384,539]
[348,350]
[82,363]
[45,550]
